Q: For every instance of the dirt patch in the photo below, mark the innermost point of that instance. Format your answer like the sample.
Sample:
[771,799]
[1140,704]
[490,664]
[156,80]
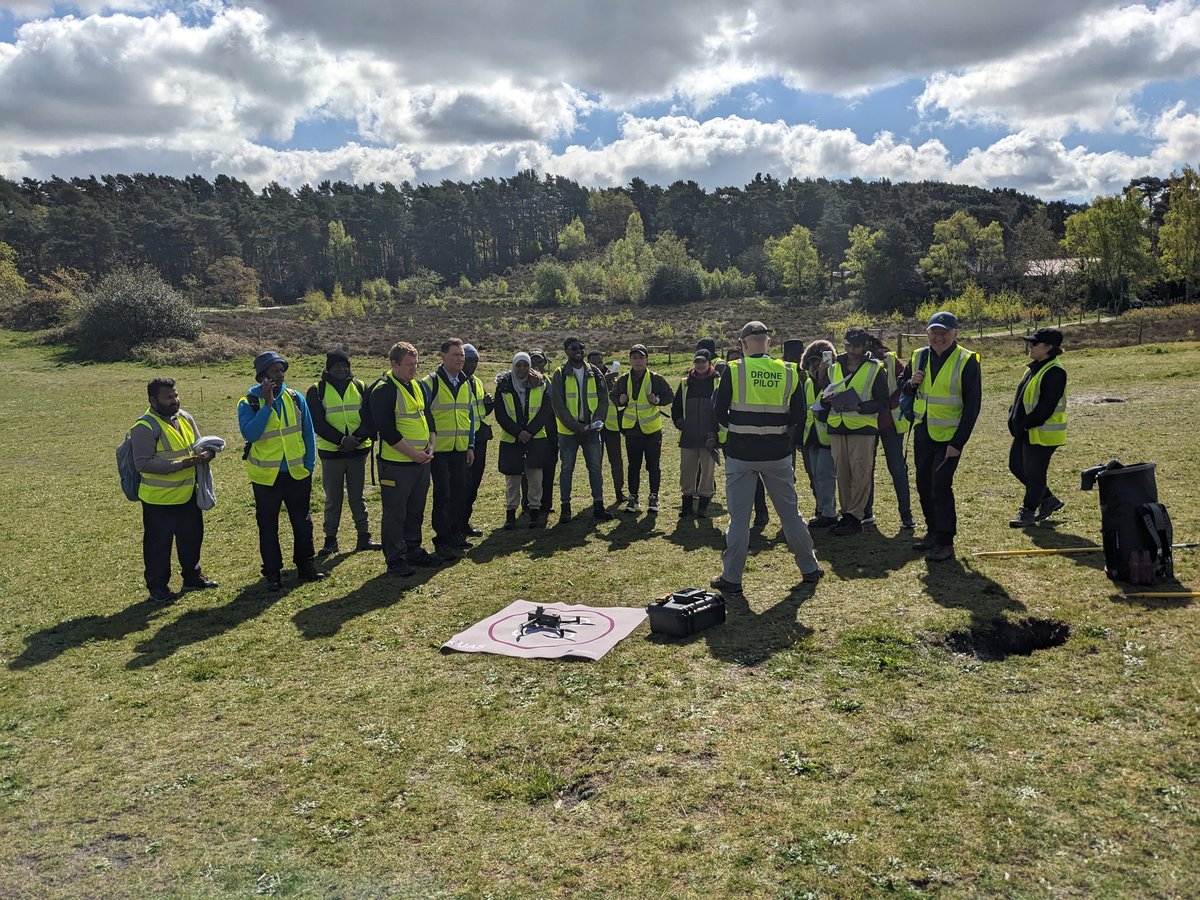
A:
[1000,640]
[1095,400]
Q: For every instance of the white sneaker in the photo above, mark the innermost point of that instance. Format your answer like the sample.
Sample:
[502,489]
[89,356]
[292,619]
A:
[652,506]
[631,505]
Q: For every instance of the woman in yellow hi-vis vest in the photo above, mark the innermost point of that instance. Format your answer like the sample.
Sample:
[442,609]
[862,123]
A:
[1037,421]
[642,393]
[281,453]
[946,385]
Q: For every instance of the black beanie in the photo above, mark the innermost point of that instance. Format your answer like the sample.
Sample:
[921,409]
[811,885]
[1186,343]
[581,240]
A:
[336,356]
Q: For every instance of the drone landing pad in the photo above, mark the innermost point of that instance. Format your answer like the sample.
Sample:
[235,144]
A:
[583,632]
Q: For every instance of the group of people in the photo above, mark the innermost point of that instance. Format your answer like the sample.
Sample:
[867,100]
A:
[430,435]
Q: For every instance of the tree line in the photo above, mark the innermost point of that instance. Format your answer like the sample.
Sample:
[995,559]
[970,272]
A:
[887,246]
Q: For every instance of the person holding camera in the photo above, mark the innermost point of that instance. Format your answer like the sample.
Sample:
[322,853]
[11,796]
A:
[946,385]
[1037,421]
[856,393]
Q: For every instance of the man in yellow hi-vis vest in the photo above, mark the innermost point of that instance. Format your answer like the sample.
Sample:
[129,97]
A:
[335,404]
[164,455]
[642,393]
[946,384]
[758,399]
[1037,420]
[484,402]
[406,450]
[281,453]
[580,403]
[451,402]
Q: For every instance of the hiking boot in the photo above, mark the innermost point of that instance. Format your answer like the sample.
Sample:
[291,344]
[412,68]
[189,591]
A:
[823,522]
[621,498]
[365,543]
[814,576]
[198,583]
[445,552]
[702,508]
[685,509]
[565,514]
[631,504]
[940,553]
[600,513]
[535,518]
[1023,519]
[274,581]
[309,573]
[652,505]
[330,547]
[1049,507]
[725,587]
[922,544]
[510,519]
[461,543]
[401,570]
[472,531]
[162,596]
[849,525]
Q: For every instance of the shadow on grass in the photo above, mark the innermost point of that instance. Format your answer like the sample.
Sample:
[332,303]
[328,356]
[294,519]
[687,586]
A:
[49,643]
[956,585]
[632,528]
[199,625]
[326,619]
[866,555]
[748,638]
[1045,537]
[696,534]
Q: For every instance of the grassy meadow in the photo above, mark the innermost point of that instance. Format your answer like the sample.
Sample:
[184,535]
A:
[821,743]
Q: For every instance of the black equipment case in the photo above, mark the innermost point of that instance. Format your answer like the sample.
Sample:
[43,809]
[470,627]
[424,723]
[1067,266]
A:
[685,612]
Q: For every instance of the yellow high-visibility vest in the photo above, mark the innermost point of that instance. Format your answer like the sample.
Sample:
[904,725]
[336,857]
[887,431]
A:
[282,442]
[342,411]
[810,397]
[480,406]
[571,389]
[1054,432]
[890,363]
[646,417]
[451,413]
[410,421]
[171,444]
[938,402]
[761,386]
[534,397]
[861,382]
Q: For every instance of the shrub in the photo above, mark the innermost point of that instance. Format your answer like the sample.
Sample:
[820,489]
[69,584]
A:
[672,284]
[729,284]
[377,290]
[131,307]
[316,306]
[419,286]
[588,275]
[552,286]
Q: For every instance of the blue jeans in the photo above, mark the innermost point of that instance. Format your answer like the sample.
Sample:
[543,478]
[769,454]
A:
[593,458]
[893,453]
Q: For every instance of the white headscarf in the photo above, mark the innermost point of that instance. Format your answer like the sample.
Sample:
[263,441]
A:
[518,384]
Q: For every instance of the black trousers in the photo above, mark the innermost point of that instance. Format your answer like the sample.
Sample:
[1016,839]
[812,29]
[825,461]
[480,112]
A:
[935,488]
[449,471]
[162,525]
[475,476]
[1029,464]
[268,498]
[403,489]
[649,447]
[616,465]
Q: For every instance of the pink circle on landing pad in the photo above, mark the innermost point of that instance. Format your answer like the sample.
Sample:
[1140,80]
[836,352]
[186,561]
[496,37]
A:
[565,612]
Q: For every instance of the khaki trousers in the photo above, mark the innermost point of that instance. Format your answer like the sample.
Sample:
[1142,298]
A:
[854,460]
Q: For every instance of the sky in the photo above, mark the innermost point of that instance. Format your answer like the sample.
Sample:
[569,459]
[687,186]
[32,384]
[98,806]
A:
[1063,99]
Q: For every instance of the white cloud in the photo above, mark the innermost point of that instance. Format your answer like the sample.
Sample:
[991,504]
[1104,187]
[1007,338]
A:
[1088,83]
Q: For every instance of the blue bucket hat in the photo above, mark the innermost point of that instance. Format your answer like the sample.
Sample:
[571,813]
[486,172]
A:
[264,361]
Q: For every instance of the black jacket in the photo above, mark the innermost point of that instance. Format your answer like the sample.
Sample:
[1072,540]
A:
[321,425]
[1054,385]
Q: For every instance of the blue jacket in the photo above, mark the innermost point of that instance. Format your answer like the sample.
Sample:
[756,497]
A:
[252,424]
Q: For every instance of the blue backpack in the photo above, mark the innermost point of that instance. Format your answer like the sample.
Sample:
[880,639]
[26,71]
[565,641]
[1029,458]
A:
[131,478]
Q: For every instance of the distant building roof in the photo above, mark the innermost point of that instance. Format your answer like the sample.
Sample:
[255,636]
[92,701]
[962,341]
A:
[1044,268]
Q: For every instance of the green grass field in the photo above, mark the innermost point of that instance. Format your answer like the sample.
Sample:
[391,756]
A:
[825,743]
